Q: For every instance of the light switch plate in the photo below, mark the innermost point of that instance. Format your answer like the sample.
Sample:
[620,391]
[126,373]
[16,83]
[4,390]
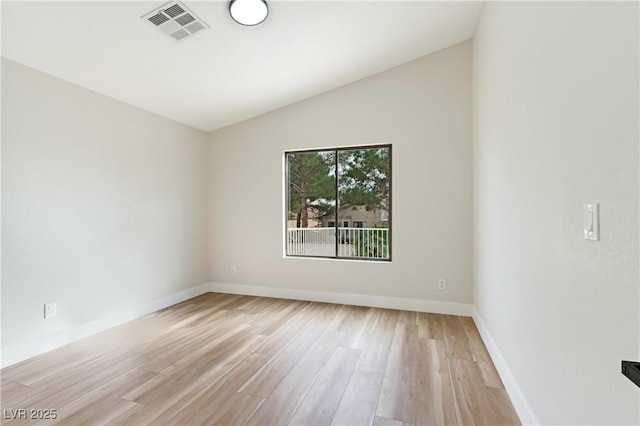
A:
[591,222]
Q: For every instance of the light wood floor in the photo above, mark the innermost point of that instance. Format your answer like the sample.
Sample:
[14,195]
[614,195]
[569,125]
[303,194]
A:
[226,359]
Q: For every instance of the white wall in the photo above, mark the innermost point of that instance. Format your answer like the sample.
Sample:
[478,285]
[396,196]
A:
[104,206]
[555,111]
[423,108]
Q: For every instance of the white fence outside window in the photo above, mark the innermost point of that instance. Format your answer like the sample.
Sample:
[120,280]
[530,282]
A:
[364,243]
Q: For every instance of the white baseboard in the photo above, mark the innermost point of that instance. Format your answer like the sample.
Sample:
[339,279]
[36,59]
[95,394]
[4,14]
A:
[15,354]
[420,305]
[517,398]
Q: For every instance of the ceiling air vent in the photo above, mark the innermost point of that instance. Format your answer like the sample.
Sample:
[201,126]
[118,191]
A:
[176,20]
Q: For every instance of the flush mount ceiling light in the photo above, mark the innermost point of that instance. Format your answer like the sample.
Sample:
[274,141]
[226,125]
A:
[248,12]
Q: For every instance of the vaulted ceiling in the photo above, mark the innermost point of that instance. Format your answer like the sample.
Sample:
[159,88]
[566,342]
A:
[227,73]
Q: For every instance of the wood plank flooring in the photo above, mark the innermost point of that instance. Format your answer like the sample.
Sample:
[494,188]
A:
[234,360]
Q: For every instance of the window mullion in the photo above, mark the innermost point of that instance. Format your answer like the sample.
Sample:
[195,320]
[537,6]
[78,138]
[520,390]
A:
[335,213]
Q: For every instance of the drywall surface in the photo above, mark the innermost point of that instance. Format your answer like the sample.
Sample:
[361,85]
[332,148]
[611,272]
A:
[103,205]
[555,108]
[423,109]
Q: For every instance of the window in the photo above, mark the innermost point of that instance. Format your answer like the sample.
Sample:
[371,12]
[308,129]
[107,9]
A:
[326,190]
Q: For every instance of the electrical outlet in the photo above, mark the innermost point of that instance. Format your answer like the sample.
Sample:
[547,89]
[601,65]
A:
[50,310]
[234,271]
[442,284]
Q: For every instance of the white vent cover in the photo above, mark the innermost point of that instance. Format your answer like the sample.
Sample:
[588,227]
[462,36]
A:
[176,20]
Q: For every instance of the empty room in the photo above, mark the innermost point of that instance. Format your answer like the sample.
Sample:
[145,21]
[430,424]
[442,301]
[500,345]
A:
[262,212]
